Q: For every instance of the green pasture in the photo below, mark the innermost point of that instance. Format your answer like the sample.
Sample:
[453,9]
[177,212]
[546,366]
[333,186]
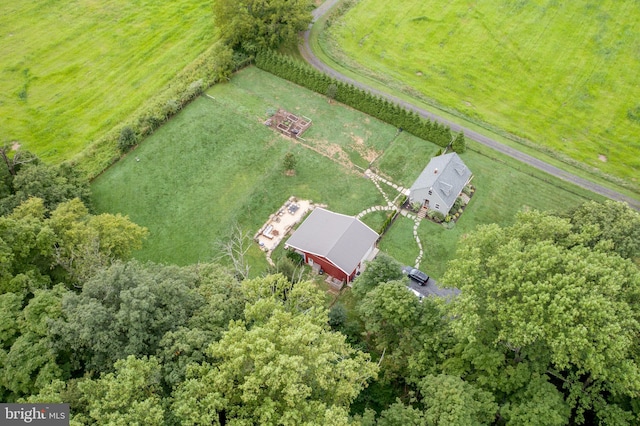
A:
[71,71]
[216,164]
[561,74]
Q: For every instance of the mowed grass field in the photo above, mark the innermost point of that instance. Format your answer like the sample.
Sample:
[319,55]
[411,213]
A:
[72,70]
[561,74]
[216,165]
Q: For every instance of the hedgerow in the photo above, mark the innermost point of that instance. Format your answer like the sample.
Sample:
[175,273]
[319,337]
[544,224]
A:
[215,64]
[362,100]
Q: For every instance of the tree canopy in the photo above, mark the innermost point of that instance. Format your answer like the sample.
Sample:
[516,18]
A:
[129,308]
[380,270]
[25,176]
[538,304]
[68,244]
[286,367]
[610,223]
[261,24]
[545,329]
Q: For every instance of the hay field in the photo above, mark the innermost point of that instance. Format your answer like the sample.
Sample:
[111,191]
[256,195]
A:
[561,74]
[72,70]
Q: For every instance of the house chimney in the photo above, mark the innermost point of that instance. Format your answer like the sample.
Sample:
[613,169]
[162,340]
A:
[435,172]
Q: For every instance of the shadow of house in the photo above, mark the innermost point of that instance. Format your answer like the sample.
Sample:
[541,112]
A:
[440,183]
[334,243]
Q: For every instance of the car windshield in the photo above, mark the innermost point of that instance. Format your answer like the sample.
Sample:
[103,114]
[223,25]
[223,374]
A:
[417,273]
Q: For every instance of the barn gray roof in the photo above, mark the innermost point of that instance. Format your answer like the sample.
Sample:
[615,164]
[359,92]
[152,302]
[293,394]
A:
[344,240]
[446,175]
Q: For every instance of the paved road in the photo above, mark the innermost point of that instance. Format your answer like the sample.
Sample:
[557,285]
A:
[309,56]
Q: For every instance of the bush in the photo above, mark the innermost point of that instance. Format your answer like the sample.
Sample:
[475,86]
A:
[296,258]
[387,222]
[436,216]
[289,162]
[127,139]
[456,205]
[337,316]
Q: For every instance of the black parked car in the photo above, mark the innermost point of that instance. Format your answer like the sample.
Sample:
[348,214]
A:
[418,276]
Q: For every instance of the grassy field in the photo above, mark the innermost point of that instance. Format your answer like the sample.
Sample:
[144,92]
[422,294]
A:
[215,165]
[562,74]
[73,70]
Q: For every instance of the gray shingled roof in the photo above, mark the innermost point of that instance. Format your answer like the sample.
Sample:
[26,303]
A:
[344,240]
[446,175]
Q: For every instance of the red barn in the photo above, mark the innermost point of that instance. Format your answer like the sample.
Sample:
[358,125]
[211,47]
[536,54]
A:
[336,243]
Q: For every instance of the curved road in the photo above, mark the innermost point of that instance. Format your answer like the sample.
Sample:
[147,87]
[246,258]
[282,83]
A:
[309,56]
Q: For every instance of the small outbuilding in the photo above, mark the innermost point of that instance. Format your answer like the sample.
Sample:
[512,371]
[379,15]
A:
[440,183]
[334,243]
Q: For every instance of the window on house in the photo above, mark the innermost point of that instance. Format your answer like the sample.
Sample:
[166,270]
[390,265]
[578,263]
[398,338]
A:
[437,206]
[430,192]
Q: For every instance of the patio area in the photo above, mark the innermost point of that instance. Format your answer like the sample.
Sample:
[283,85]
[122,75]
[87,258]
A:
[280,223]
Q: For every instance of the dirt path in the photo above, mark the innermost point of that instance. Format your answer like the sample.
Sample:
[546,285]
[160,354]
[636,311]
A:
[308,55]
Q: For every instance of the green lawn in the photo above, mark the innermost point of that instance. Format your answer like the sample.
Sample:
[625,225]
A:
[405,158]
[72,70]
[504,187]
[562,74]
[216,164]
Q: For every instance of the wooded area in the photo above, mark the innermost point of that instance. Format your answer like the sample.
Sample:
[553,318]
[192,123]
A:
[544,330]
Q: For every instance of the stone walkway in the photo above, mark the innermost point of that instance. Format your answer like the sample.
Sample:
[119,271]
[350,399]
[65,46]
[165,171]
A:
[391,206]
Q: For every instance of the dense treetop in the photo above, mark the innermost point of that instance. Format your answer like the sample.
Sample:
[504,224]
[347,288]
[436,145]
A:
[544,330]
[252,25]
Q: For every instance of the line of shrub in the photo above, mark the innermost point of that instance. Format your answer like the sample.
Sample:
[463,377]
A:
[215,64]
[388,221]
[306,76]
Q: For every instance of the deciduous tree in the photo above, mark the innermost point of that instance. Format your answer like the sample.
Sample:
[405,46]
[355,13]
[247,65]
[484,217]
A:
[610,223]
[29,362]
[281,366]
[382,269]
[257,24]
[537,303]
[124,310]
[449,400]
[70,245]
[289,370]
[53,184]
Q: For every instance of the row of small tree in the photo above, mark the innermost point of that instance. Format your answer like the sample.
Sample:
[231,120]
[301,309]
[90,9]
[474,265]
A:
[304,75]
